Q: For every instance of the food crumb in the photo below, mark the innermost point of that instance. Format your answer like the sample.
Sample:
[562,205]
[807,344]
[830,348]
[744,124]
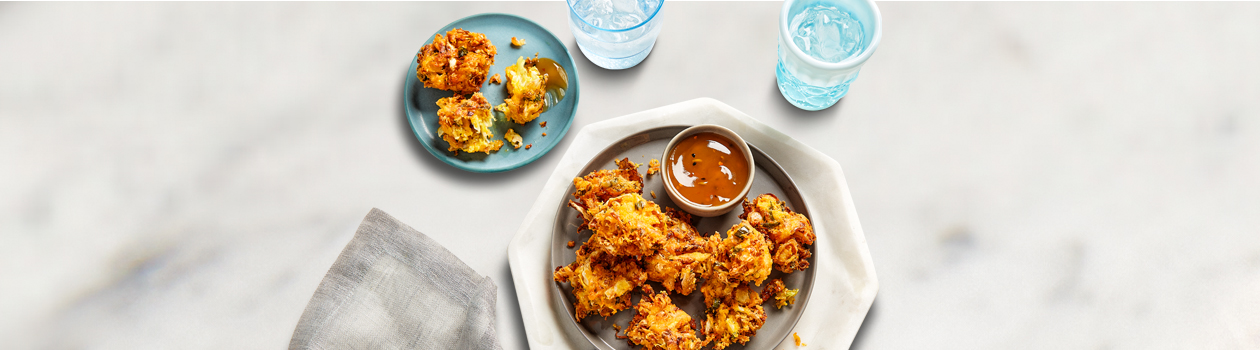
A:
[496,79]
[654,166]
[653,194]
[529,146]
[618,328]
[513,138]
[571,243]
[544,134]
[798,339]
[542,123]
[518,42]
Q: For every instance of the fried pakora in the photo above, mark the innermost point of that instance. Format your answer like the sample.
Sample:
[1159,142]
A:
[526,91]
[735,318]
[456,62]
[781,295]
[465,124]
[659,324]
[790,231]
[678,261]
[626,225]
[743,256]
[603,185]
[601,282]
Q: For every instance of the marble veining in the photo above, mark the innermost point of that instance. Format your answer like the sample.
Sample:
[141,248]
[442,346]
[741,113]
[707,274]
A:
[1028,175]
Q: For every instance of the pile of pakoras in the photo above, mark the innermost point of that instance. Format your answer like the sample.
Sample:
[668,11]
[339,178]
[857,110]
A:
[459,62]
[634,241]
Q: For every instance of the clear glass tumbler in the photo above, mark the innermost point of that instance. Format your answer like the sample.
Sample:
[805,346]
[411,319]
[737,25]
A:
[615,34]
[822,46]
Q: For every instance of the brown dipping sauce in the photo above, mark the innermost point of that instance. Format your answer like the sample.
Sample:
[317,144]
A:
[557,81]
[707,169]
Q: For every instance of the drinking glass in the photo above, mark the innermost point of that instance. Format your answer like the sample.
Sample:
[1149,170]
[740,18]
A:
[822,46]
[615,34]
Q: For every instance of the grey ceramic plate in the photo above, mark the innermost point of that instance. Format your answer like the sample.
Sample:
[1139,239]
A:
[641,148]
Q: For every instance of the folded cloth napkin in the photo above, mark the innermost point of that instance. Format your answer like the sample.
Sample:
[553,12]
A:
[395,288]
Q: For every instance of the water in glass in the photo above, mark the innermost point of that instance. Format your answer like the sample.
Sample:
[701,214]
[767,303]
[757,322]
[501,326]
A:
[615,34]
[827,32]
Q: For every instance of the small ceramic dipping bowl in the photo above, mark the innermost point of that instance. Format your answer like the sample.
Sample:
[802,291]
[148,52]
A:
[712,171]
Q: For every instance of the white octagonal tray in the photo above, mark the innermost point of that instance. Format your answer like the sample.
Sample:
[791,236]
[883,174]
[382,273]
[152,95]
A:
[844,285]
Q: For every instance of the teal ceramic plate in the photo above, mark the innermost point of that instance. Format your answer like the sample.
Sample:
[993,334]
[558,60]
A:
[421,102]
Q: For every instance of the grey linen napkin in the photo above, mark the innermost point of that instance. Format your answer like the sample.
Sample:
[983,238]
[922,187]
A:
[395,288]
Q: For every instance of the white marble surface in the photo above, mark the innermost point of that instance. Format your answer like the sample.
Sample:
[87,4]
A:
[1028,175]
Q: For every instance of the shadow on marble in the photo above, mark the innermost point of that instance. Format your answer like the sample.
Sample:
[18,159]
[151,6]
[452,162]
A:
[783,107]
[859,340]
[586,68]
[513,310]
[446,170]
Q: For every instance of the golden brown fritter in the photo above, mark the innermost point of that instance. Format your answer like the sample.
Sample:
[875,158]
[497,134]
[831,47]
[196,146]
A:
[681,255]
[600,186]
[781,295]
[790,256]
[601,282]
[456,62]
[465,124]
[743,256]
[659,324]
[734,319]
[791,232]
[716,286]
[626,225]
[526,91]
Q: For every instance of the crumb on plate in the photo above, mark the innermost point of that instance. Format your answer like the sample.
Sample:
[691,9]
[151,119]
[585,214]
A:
[779,293]
[529,146]
[542,123]
[571,244]
[496,79]
[513,138]
[518,42]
